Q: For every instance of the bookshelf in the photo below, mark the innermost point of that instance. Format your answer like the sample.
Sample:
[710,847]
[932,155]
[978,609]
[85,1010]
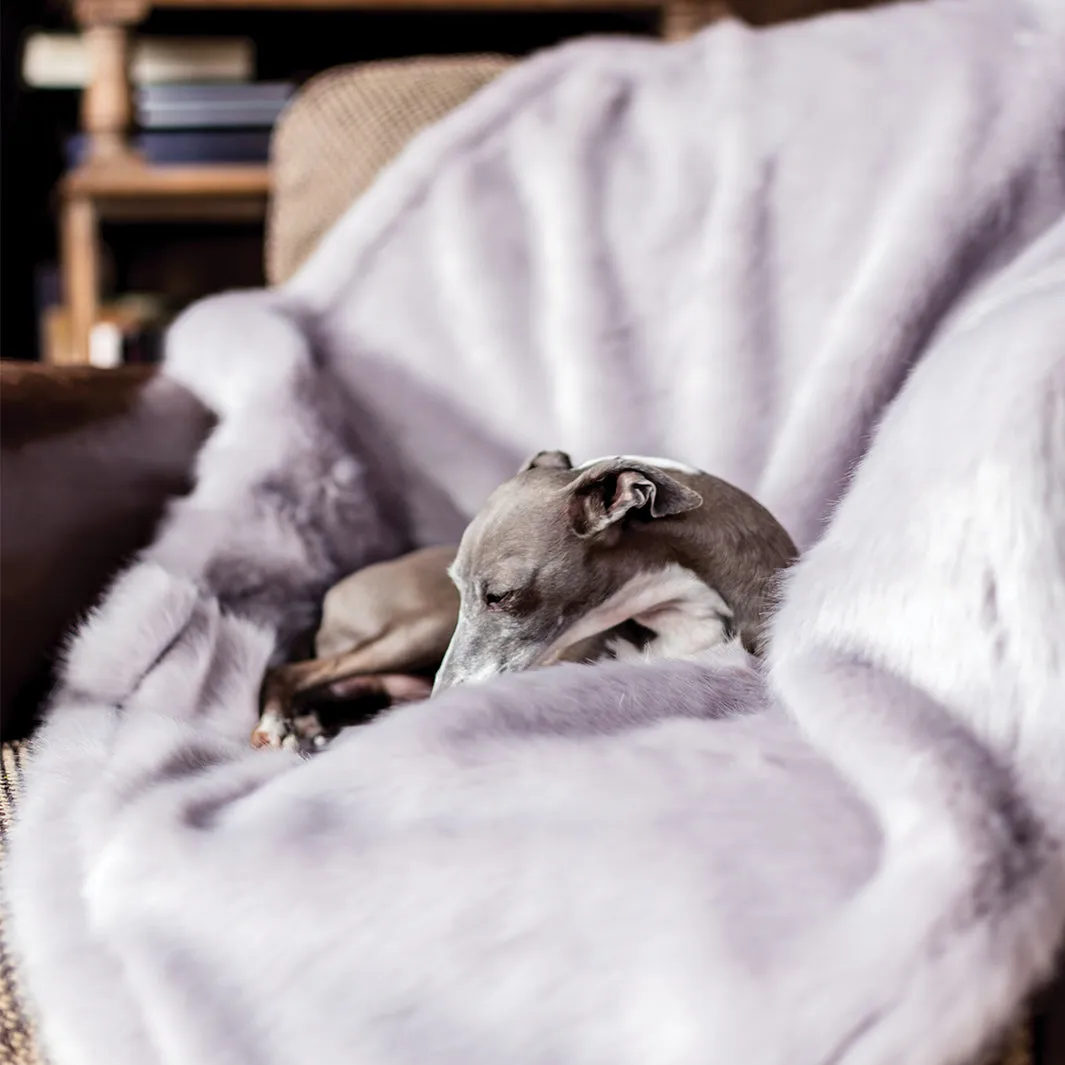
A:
[134,191]
[115,182]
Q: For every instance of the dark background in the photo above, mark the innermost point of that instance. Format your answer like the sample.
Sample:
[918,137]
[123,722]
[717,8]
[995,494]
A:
[290,45]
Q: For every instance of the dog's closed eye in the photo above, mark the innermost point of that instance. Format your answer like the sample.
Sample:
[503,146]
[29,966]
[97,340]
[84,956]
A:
[498,600]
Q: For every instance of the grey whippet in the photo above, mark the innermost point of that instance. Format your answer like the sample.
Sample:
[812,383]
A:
[621,556]
[639,556]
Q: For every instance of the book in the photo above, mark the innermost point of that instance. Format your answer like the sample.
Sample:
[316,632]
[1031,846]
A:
[181,93]
[174,147]
[61,60]
[218,106]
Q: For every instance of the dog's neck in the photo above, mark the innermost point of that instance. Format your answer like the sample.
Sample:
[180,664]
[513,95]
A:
[693,581]
[677,614]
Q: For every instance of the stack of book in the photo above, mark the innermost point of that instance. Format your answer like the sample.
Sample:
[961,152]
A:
[198,124]
[217,123]
[196,100]
[61,60]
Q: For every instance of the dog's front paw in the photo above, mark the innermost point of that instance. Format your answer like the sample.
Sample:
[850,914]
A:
[301,724]
[303,733]
[277,713]
[272,729]
[306,734]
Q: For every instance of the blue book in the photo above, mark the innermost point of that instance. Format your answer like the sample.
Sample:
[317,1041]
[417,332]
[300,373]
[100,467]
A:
[174,93]
[212,106]
[188,146]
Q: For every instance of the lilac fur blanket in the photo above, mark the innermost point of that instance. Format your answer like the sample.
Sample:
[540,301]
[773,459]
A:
[826,262]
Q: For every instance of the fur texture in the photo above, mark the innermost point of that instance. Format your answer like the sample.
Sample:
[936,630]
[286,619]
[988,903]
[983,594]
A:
[826,262]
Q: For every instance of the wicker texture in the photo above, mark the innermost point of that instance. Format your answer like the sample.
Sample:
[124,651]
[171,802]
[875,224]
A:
[342,128]
[17,1044]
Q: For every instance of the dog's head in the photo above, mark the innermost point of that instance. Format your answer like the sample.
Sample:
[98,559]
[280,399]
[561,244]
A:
[543,552]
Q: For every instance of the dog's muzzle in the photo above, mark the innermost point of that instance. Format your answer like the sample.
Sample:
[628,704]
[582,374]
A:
[477,654]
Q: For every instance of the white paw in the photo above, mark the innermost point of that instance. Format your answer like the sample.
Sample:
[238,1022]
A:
[271,730]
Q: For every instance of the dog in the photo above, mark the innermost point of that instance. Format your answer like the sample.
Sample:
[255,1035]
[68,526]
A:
[620,557]
[647,556]
[382,629]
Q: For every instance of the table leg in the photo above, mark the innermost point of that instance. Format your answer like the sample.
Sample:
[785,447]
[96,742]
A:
[80,254]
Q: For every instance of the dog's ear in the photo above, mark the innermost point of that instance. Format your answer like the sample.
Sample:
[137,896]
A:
[605,493]
[547,460]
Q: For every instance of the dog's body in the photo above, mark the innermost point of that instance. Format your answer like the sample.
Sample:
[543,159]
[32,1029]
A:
[622,557]
[382,627]
[663,559]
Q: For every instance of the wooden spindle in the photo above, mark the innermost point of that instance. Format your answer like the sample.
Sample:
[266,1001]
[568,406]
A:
[107,103]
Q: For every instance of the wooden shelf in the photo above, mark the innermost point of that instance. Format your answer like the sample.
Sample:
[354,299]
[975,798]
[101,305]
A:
[141,181]
[129,189]
[576,6]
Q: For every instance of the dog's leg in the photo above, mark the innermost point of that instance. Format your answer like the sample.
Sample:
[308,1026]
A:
[398,687]
[403,650]
[382,666]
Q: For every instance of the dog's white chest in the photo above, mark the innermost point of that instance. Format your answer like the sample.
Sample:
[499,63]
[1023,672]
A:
[684,615]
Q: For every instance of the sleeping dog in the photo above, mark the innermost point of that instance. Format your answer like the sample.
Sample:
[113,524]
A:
[652,558]
[620,557]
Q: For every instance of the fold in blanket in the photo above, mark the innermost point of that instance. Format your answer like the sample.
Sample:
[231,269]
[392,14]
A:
[826,262]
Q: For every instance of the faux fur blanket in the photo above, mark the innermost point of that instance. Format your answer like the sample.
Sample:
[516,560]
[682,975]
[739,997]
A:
[826,262]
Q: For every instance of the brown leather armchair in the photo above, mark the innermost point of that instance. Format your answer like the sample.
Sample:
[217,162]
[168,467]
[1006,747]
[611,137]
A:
[88,459]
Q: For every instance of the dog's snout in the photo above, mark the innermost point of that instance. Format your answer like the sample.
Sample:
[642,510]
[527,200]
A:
[445,679]
[453,678]
[482,647]
[452,671]
[470,657]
